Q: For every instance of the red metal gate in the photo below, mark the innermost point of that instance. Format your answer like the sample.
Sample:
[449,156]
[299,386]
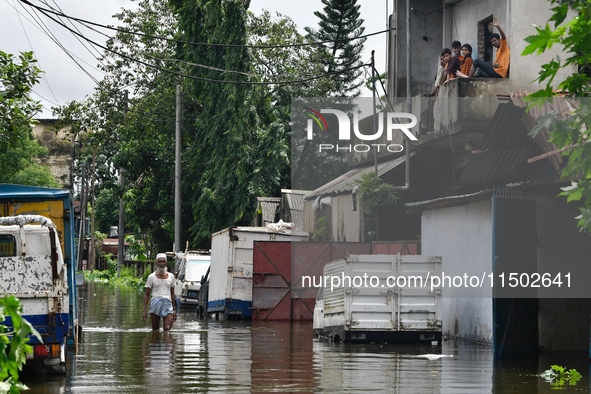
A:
[277,264]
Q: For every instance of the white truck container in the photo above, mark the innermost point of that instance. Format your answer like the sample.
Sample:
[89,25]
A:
[379,298]
[230,278]
[32,269]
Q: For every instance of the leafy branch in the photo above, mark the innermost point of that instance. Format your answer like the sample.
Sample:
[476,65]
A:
[13,344]
[374,192]
[559,376]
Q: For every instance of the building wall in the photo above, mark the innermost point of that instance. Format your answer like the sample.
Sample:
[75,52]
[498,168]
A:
[563,323]
[522,16]
[443,22]
[60,151]
[426,38]
[462,236]
[517,19]
[345,224]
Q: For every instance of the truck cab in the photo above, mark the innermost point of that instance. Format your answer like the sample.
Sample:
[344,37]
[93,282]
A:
[32,269]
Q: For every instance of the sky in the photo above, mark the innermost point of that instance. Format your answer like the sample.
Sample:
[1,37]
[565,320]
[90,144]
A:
[24,29]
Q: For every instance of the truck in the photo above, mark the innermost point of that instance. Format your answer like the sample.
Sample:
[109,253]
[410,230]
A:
[379,298]
[37,256]
[230,277]
[192,268]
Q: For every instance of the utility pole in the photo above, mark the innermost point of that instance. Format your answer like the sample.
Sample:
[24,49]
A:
[90,260]
[373,89]
[177,174]
[121,227]
[81,234]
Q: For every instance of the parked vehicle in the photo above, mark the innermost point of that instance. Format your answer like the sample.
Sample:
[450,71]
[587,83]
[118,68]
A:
[32,269]
[51,307]
[192,268]
[360,301]
[230,282]
[202,297]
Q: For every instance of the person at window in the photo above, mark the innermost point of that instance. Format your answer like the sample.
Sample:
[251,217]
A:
[439,78]
[500,67]
[160,294]
[466,63]
[453,64]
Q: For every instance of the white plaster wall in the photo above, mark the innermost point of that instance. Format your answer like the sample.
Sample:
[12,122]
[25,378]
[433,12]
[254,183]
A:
[524,69]
[517,19]
[462,236]
[346,224]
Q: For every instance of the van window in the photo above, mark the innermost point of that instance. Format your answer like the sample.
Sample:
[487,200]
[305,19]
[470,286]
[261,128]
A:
[7,245]
[195,269]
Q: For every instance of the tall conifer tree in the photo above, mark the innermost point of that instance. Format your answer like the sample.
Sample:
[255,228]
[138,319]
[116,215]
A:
[340,24]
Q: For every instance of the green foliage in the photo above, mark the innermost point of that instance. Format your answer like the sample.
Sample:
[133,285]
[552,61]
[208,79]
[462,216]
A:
[560,376]
[126,278]
[137,247]
[569,134]
[320,230]
[18,148]
[13,344]
[374,193]
[234,142]
[35,175]
[240,150]
[106,209]
[339,24]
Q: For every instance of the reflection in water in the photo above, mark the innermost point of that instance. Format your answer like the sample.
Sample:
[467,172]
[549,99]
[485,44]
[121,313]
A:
[119,353]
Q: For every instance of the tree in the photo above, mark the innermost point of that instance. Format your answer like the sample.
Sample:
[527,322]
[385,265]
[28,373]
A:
[340,26]
[570,135]
[13,344]
[18,147]
[238,151]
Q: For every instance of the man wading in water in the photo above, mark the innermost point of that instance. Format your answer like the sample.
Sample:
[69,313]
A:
[160,288]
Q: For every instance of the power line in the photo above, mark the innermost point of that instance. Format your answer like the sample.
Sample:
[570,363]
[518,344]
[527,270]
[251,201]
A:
[180,74]
[31,46]
[78,39]
[84,21]
[44,29]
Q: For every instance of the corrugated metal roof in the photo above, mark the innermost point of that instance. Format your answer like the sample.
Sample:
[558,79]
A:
[561,106]
[499,165]
[268,207]
[506,146]
[506,129]
[345,183]
[293,201]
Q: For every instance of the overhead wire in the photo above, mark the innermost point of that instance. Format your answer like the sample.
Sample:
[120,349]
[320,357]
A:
[180,74]
[43,27]
[31,46]
[98,54]
[251,46]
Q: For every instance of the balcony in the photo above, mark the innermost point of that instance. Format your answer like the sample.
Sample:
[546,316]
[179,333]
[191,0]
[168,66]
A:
[462,106]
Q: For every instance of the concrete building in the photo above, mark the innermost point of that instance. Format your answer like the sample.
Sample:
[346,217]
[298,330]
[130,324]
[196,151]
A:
[482,192]
[60,151]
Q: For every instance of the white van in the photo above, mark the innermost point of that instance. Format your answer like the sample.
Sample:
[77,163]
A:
[192,268]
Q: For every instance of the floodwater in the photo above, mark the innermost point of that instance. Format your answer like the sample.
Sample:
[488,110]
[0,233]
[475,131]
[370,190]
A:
[119,353]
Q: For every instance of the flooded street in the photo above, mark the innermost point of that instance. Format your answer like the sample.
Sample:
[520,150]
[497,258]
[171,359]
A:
[119,353]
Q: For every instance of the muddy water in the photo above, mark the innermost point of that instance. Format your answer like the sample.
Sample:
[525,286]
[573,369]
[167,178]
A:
[120,354]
